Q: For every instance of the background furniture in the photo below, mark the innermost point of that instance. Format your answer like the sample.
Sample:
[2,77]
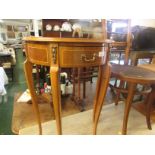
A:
[3,81]
[151,100]
[6,63]
[67,53]
[121,35]
[132,75]
[136,55]
[7,60]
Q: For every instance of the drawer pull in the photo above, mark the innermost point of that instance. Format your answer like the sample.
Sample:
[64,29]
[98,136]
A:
[85,59]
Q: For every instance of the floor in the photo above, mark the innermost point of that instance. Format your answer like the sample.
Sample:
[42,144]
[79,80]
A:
[110,123]
[19,85]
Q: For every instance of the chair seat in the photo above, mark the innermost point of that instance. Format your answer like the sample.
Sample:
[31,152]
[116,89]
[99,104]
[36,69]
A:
[133,74]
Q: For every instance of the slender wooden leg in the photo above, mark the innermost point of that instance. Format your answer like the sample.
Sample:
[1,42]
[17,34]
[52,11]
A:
[73,75]
[148,107]
[54,72]
[79,89]
[118,93]
[80,101]
[119,59]
[105,73]
[134,61]
[84,85]
[148,111]
[29,78]
[37,76]
[97,93]
[84,88]
[131,91]
[91,80]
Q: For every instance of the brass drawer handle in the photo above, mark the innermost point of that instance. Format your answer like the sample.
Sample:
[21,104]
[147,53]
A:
[85,59]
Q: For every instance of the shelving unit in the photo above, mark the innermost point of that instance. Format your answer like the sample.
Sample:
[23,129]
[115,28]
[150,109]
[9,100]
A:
[123,43]
[90,28]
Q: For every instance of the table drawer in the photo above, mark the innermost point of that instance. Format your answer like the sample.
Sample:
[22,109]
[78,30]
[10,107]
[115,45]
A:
[38,53]
[81,56]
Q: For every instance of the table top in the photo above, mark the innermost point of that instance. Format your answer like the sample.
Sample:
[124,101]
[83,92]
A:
[133,73]
[73,40]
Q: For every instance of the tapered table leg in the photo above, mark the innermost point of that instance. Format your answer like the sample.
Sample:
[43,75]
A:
[102,85]
[56,95]
[29,78]
[73,77]
[97,92]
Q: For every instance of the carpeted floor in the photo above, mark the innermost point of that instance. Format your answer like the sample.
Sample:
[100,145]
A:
[110,123]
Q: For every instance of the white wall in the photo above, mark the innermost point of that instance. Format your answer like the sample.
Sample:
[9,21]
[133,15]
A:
[143,22]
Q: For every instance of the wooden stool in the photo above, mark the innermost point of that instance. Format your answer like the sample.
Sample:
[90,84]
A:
[133,76]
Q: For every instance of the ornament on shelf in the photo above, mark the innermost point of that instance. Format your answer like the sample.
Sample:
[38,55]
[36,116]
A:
[48,27]
[77,29]
[66,26]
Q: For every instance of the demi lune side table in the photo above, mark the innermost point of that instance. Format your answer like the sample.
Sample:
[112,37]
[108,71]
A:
[67,52]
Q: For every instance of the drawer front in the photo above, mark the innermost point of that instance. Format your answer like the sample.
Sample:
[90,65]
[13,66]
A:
[38,53]
[81,56]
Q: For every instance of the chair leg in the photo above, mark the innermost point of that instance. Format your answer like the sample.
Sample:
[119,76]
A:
[148,111]
[131,91]
[150,100]
[118,93]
